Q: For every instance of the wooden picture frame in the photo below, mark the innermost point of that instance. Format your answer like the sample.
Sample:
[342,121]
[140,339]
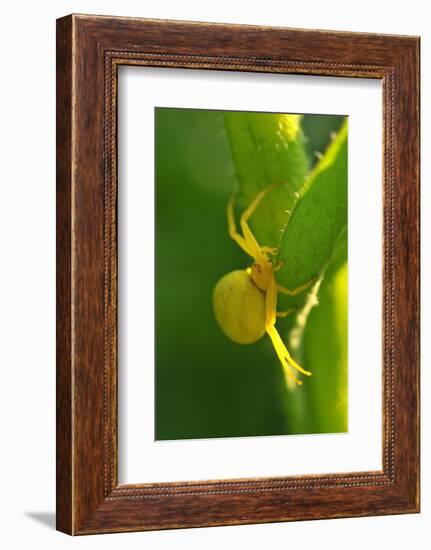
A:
[89,51]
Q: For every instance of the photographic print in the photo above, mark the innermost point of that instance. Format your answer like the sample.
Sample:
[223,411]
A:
[251,274]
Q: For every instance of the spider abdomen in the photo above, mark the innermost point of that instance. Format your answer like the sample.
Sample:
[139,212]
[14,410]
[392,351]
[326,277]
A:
[239,307]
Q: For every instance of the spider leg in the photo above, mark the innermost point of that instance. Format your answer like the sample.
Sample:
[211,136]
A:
[248,212]
[297,290]
[284,356]
[239,239]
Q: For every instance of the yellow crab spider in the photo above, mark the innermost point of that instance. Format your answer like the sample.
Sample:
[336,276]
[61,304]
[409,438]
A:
[245,301]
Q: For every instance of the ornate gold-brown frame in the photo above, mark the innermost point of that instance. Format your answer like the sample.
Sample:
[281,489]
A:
[89,51]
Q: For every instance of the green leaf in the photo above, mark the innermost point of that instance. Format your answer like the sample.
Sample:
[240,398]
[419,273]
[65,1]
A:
[320,214]
[268,148]
[320,344]
[324,348]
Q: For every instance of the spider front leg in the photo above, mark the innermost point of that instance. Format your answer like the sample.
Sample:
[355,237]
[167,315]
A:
[248,212]
[270,318]
[247,241]
[239,239]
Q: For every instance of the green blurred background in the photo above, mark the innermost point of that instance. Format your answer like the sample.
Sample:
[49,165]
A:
[206,385]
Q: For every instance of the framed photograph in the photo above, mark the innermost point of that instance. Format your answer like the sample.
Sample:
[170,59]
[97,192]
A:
[237,274]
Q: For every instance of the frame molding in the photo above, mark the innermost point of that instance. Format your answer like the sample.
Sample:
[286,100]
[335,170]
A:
[89,51]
